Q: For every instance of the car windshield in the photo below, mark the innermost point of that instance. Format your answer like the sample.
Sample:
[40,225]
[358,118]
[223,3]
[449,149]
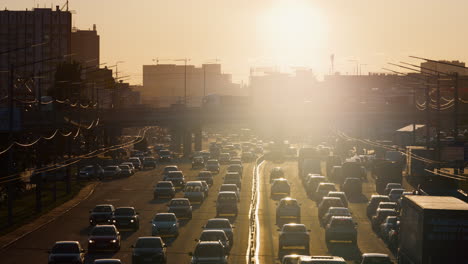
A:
[218,224]
[193,188]
[176,175]
[164,218]
[281,184]
[103,231]
[342,223]
[65,248]
[392,220]
[212,236]
[149,243]
[164,184]
[327,187]
[289,203]
[228,188]
[167,169]
[179,203]
[294,228]
[393,186]
[111,168]
[339,211]
[387,205]
[208,251]
[232,176]
[102,209]
[397,191]
[124,211]
[124,167]
[149,159]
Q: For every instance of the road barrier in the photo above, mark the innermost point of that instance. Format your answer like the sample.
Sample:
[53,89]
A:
[253,228]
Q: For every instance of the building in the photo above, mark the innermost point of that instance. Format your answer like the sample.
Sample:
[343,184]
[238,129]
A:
[85,47]
[33,42]
[432,67]
[166,84]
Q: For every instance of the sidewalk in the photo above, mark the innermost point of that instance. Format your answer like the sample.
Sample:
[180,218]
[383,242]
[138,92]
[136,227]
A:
[48,217]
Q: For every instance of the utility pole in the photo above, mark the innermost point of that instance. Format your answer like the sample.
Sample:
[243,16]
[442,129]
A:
[414,114]
[428,113]
[10,184]
[438,118]
[185,83]
[455,106]
[204,81]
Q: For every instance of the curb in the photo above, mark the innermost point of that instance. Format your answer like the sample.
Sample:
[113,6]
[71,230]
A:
[47,218]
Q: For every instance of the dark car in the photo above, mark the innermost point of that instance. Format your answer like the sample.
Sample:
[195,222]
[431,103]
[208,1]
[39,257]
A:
[104,237]
[380,216]
[206,176]
[280,188]
[165,155]
[177,178]
[209,252]
[312,181]
[101,214]
[276,173]
[221,224]
[181,207]
[67,252]
[164,189]
[226,204]
[91,172]
[212,165]
[149,250]
[293,238]
[352,187]
[341,229]
[136,162]
[235,168]
[288,211]
[323,189]
[247,156]
[326,203]
[149,162]
[233,178]
[198,163]
[215,235]
[340,195]
[168,169]
[126,217]
[374,203]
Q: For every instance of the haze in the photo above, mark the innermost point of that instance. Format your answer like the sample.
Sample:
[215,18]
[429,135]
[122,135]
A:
[280,33]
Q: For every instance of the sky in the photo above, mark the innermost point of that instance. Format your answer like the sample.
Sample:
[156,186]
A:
[284,34]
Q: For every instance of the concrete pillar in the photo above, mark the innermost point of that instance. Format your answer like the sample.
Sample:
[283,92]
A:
[187,143]
[176,135]
[198,139]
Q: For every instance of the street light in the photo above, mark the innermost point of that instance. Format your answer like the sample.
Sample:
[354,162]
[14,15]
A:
[117,69]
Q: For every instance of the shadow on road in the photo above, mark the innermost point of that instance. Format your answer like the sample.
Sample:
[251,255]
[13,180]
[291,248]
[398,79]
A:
[361,198]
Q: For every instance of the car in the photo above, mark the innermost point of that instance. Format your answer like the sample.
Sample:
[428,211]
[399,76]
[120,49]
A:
[132,167]
[288,211]
[165,225]
[206,176]
[312,181]
[112,171]
[165,155]
[164,189]
[136,162]
[326,203]
[293,238]
[198,162]
[209,252]
[291,259]
[322,260]
[276,173]
[334,211]
[341,229]
[181,207]
[230,188]
[235,168]
[374,202]
[104,237]
[215,235]
[194,191]
[149,162]
[126,217]
[177,178]
[168,169]
[226,204]
[107,261]
[392,185]
[221,224]
[322,190]
[395,194]
[380,216]
[352,187]
[280,188]
[101,214]
[340,195]
[233,178]
[375,258]
[149,250]
[67,252]
[126,171]
[236,161]
[224,158]
[247,156]
[387,205]
[212,165]
[91,171]
[390,223]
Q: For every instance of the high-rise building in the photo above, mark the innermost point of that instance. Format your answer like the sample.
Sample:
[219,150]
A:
[432,67]
[33,42]
[85,47]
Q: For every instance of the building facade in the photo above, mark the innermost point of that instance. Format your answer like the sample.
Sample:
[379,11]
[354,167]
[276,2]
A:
[32,43]
[85,47]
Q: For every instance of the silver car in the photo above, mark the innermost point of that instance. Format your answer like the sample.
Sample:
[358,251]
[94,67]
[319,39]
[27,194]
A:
[67,252]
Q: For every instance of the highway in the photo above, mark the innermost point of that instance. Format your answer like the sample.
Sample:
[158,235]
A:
[137,191]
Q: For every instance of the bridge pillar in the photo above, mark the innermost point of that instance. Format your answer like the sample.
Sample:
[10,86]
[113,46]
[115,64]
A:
[198,139]
[187,143]
[176,135]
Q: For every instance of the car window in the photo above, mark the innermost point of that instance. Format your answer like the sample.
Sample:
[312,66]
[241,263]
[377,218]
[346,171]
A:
[179,203]
[124,211]
[103,231]
[164,184]
[212,236]
[294,228]
[192,188]
[164,218]
[65,248]
[148,243]
[208,251]
[289,203]
[102,209]
[218,224]
[342,223]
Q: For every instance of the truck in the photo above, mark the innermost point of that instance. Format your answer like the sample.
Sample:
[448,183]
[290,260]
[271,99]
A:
[309,161]
[433,229]
[386,171]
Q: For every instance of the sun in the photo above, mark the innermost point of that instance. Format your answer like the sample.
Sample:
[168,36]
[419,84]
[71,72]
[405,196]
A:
[291,30]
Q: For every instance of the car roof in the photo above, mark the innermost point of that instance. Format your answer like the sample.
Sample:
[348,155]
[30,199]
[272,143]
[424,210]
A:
[375,255]
[107,261]
[209,243]
[227,193]
[179,199]
[165,214]
[326,183]
[374,196]
[287,199]
[193,183]
[350,218]
[336,193]
[103,226]
[293,224]
[149,238]
[104,205]
[125,207]
[331,198]
[219,219]
[280,180]
[165,182]
[67,242]
[213,231]
[171,166]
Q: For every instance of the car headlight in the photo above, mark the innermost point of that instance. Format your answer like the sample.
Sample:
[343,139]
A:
[90,241]
[113,241]
[131,221]
[114,221]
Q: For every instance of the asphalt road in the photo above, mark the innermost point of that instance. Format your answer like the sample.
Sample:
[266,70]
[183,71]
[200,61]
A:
[136,191]
[268,253]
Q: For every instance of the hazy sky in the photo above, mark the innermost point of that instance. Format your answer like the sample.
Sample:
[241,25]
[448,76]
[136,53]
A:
[281,33]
